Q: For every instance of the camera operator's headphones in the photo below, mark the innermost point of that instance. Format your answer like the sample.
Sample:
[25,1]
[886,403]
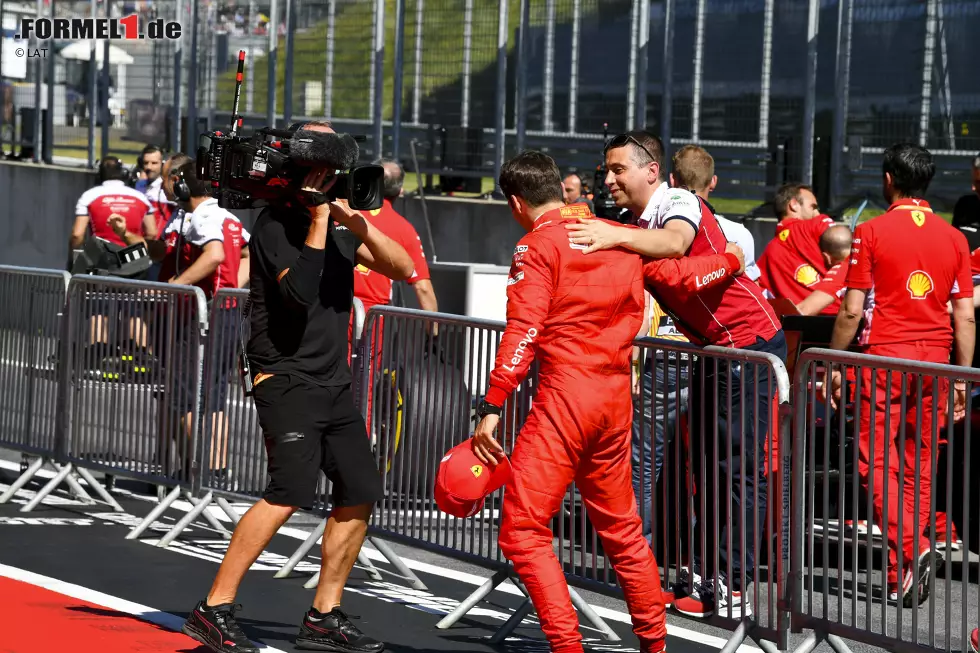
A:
[181,190]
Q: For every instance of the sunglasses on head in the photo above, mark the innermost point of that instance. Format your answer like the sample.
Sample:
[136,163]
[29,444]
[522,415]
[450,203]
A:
[623,139]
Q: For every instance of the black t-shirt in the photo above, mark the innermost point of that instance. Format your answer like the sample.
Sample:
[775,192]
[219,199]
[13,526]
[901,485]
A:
[310,342]
[966,211]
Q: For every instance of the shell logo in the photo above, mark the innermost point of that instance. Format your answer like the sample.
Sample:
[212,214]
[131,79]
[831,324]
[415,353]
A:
[784,235]
[477,470]
[919,284]
[807,275]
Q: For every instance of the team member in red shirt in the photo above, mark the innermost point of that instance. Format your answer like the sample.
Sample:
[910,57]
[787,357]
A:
[906,266]
[732,314]
[112,197]
[578,315]
[807,261]
[373,288]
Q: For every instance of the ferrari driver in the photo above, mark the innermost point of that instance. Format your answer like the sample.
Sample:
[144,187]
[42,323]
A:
[578,315]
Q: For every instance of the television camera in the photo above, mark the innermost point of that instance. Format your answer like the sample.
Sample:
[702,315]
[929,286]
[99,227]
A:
[272,163]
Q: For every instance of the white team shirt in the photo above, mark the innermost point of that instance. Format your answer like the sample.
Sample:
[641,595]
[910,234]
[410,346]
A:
[201,226]
[738,234]
[111,188]
[668,204]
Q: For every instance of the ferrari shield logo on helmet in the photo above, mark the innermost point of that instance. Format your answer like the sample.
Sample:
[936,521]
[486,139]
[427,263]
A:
[477,470]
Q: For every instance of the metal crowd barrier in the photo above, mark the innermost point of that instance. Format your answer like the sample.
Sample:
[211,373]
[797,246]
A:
[718,508]
[885,465]
[130,379]
[30,339]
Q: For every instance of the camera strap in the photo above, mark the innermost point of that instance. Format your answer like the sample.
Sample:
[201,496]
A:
[180,242]
[246,368]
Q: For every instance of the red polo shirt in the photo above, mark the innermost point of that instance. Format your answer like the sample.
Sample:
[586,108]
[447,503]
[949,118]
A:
[912,263]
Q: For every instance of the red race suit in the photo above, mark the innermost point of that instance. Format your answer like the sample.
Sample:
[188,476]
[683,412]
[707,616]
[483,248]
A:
[578,315]
[792,264]
[911,263]
[113,196]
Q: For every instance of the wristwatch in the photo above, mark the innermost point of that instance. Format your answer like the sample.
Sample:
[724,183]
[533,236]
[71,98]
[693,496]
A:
[485,409]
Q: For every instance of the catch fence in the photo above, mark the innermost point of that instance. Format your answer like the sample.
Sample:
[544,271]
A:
[777,91]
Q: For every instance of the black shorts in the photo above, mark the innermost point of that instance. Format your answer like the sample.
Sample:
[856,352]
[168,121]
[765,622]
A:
[309,428]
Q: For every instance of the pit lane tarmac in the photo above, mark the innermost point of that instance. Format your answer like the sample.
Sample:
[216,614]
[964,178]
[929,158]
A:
[70,581]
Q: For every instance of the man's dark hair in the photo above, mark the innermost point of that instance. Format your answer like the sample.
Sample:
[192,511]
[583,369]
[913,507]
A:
[188,170]
[150,149]
[644,146]
[111,168]
[786,194]
[394,178]
[532,176]
[911,168]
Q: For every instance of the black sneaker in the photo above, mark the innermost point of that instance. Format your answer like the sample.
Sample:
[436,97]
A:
[216,628]
[334,631]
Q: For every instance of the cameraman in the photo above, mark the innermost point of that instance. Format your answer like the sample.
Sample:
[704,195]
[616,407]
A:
[302,287]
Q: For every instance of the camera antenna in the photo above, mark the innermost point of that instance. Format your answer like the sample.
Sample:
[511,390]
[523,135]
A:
[236,119]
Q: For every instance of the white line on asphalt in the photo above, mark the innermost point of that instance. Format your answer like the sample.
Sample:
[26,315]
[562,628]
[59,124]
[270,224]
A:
[425,567]
[164,619]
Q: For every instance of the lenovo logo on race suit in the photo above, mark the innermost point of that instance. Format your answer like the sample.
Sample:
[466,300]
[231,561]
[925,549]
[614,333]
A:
[518,354]
[708,278]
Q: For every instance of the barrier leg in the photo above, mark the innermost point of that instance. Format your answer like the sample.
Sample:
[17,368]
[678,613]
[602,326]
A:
[228,510]
[511,624]
[470,601]
[586,611]
[209,518]
[101,491]
[368,566]
[737,638]
[48,489]
[768,646]
[78,492]
[302,550]
[186,520]
[313,581]
[396,562]
[22,480]
[808,644]
[838,644]
[154,514]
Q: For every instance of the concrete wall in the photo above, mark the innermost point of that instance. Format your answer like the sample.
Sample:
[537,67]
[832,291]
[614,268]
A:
[464,230]
[37,208]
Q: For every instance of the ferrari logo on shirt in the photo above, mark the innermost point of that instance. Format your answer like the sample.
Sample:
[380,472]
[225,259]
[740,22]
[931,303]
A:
[919,218]
[375,212]
[919,284]
[362,269]
[477,470]
[784,235]
[807,275]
